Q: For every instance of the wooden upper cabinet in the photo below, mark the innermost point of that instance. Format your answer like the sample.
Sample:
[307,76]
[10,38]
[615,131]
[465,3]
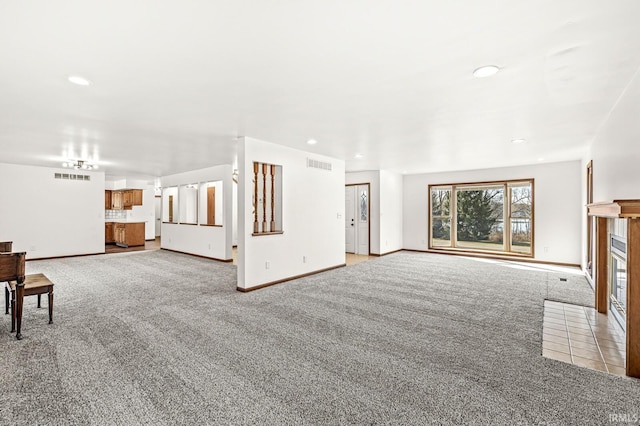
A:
[136,197]
[107,200]
[127,199]
[122,200]
[116,200]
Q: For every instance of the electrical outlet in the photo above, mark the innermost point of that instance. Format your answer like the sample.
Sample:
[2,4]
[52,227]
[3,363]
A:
[304,259]
[423,242]
[209,246]
[267,264]
[546,249]
[32,248]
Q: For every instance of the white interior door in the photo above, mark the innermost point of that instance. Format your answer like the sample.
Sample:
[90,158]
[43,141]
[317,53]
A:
[356,219]
[158,215]
[349,218]
[362,219]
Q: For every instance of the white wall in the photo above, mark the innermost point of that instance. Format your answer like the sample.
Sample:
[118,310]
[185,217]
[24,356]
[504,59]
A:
[49,217]
[208,241]
[615,150]
[234,215]
[391,208]
[312,215]
[558,208]
[372,177]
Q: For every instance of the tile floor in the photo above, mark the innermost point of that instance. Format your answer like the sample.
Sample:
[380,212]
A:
[352,259]
[581,336]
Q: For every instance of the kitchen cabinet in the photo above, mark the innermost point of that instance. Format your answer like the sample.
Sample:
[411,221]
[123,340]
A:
[116,200]
[129,234]
[136,197]
[122,200]
[127,200]
[107,200]
[108,233]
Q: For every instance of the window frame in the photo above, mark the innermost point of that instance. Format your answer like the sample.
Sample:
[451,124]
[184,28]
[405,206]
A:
[507,216]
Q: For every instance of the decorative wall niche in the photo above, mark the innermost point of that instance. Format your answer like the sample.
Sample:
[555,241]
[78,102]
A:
[170,204]
[211,204]
[189,204]
[267,199]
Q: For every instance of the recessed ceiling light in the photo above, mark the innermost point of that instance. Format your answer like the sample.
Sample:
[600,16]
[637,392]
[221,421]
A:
[358,156]
[486,71]
[541,159]
[312,141]
[517,141]
[80,81]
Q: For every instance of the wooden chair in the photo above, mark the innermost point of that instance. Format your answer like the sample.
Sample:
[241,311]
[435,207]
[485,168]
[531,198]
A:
[6,246]
[12,267]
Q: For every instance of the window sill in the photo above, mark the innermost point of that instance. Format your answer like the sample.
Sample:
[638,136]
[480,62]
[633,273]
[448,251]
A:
[488,253]
[260,234]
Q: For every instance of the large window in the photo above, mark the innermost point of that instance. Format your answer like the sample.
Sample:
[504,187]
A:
[492,216]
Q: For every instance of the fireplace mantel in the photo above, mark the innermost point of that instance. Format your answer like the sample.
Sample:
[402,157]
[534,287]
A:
[629,209]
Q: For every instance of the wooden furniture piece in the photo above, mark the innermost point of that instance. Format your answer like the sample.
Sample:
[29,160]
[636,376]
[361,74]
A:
[128,234]
[6,246]
[12,267]
[628,210]
[33,285]
[12,270]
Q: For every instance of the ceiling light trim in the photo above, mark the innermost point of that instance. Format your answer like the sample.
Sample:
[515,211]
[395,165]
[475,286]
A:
[486,71]
[79,80]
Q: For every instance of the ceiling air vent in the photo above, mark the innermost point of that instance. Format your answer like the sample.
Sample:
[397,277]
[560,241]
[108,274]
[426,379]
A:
[317,164]
[71,176]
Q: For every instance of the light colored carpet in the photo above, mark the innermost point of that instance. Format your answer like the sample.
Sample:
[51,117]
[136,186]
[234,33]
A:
[409,338]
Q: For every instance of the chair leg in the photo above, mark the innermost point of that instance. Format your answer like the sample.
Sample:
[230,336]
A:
[13,311]
[51,305]
[19,302]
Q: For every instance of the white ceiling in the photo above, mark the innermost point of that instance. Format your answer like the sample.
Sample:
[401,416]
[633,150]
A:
[174,83]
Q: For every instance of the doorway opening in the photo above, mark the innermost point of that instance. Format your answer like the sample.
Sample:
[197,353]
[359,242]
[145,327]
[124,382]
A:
[590,222]
[357,220]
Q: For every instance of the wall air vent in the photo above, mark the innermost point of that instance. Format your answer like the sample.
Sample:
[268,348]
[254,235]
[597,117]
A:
[317,164]
[71,176]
